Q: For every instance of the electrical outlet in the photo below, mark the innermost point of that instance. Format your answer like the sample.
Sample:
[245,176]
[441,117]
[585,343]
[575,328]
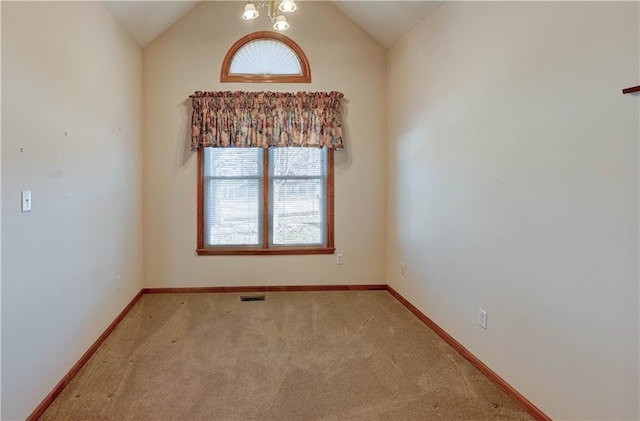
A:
[403,269]
[339,259]
[118,283]
[482,318]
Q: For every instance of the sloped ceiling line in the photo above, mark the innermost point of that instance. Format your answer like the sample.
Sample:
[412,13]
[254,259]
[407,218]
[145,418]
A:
[384,21]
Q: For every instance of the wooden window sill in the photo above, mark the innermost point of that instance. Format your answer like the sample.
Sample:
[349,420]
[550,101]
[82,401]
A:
[215,251]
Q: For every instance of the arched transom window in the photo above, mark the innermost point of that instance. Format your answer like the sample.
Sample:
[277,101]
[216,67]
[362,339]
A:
[265,57]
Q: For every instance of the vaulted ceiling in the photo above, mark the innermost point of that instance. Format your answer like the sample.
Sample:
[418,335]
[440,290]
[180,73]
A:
[384,21]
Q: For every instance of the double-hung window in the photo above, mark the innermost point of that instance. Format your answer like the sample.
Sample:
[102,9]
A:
[265,200]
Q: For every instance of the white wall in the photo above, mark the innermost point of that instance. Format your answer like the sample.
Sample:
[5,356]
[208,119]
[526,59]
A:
[72,134]
[188,57]
[513,186]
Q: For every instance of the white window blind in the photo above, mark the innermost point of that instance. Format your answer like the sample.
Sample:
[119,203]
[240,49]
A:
[297,196]
[265,57]
[298,193]
[233,196]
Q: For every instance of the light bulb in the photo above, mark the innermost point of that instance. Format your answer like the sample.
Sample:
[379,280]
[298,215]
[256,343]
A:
[287,6]
[281,24]
[250,12]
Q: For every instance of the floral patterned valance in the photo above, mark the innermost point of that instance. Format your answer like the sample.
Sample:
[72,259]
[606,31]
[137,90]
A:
[266,119]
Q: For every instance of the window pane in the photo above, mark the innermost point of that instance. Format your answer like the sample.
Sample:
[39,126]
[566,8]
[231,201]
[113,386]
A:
[232,162]
[288,162]
[232,212]
[233,196]
[298,211]
[265,57]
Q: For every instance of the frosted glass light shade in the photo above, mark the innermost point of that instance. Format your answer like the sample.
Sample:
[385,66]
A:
[250,12]
[281,24]
[287,6]
[265,57]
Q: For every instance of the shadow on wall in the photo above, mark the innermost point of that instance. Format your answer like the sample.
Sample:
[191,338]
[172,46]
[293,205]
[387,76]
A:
[342,157]
[183,138]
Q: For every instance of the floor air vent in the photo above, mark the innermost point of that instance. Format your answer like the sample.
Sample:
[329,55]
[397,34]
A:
[252,298]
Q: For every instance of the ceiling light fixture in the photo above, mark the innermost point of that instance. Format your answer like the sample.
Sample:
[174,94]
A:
[274,7]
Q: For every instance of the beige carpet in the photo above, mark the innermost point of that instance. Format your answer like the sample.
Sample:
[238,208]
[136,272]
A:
[297,356]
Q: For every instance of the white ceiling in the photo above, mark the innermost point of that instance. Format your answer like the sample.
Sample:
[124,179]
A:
[145,20]
[385,21]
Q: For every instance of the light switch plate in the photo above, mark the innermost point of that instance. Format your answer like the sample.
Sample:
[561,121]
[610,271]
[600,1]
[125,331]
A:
[26,201]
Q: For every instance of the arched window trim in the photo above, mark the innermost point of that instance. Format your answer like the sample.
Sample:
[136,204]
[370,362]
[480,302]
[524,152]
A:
[305,77]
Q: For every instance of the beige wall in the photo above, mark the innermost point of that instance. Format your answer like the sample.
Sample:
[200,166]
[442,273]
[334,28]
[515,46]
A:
[67,68]
[512,174]
[187,58]
[513,186]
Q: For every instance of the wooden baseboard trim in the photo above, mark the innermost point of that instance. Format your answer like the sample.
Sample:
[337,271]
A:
[279,288]
[533,410]
[40,409]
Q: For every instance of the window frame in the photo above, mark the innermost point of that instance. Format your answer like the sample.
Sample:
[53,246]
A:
[305,77]
[265,248]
